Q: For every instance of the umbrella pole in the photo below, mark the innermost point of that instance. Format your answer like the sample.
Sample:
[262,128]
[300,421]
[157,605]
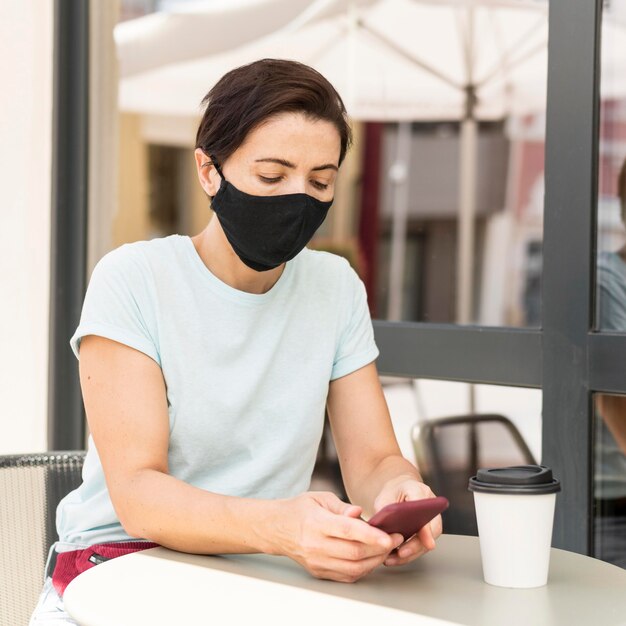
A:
[467,184]
[467,212]
[399,176]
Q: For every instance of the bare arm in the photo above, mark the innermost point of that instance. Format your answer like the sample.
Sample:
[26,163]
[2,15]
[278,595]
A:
[126,404]
[368,451]
[374,471]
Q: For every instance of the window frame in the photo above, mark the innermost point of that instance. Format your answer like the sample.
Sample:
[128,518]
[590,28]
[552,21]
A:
[565,358]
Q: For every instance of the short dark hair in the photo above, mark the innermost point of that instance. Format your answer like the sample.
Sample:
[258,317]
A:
[250,94]
[621,189]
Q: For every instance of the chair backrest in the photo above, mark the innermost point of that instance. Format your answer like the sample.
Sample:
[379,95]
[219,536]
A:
[449,450]
[31,486]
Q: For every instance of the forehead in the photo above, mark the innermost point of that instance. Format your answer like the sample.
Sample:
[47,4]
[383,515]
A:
[294,137]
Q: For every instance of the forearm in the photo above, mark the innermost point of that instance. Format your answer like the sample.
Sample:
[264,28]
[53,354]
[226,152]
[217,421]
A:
[168,511]
[393,467]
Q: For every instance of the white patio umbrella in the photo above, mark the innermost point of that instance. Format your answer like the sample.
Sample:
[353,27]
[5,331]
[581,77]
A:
[400,60]
[201,29]
[391,60]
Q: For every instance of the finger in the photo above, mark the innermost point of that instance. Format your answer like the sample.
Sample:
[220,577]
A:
[354,550]
[436,526]
[418,491]
[344,527]
[353,510]
[425,535]
[393,560]
[411,548]
[330,501]
[410,551]
[347,570]
[335,505]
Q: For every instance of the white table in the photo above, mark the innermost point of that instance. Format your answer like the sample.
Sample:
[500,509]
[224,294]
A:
[163,587]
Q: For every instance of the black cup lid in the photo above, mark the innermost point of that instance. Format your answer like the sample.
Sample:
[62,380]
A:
[517,480]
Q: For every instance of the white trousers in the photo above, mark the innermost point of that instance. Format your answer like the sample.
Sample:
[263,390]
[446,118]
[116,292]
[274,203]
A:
[50,609]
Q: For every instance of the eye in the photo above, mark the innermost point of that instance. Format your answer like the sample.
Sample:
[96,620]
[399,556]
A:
[319,185]
[271,181]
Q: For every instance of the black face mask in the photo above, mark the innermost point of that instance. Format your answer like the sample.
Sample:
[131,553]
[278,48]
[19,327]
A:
[266,231]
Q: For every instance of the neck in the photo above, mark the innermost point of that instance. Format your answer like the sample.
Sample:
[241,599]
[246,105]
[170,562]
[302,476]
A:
[218,255]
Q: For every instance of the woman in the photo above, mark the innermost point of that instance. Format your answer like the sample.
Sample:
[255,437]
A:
[206,362]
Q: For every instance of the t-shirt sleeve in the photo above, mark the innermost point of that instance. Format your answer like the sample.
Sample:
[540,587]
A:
[356,346]
[119,304]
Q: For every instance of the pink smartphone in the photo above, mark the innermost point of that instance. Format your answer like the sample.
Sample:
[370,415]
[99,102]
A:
[409,516]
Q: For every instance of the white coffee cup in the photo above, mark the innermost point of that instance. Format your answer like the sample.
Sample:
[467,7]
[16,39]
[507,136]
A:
[515,514]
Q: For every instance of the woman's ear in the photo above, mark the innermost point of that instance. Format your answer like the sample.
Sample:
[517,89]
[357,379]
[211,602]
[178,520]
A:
[207,174]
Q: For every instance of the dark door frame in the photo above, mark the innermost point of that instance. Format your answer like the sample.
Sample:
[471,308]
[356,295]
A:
[68,224]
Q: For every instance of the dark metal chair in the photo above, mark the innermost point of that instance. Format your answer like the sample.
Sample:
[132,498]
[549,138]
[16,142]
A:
[449,450]
[31,486]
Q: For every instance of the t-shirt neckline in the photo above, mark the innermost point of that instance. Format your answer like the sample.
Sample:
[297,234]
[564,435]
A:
[226,290]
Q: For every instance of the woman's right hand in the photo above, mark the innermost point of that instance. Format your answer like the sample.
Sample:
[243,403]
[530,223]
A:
[327,537]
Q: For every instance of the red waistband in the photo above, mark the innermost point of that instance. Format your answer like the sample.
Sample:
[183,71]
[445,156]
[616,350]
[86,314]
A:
[71,564]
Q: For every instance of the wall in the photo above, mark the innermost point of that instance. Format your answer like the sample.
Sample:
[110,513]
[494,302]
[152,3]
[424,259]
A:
[131,222]
[25,162]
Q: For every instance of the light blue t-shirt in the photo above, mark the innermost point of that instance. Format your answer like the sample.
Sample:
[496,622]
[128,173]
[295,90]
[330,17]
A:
[247,375]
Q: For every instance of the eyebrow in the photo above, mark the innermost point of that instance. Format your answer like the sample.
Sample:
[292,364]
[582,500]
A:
[326,166]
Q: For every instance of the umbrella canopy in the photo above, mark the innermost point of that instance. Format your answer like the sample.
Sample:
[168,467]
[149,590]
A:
[390,59]
[202,29]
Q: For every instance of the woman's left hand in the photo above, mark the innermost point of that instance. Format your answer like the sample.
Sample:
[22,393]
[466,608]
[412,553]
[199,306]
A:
[399,490]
